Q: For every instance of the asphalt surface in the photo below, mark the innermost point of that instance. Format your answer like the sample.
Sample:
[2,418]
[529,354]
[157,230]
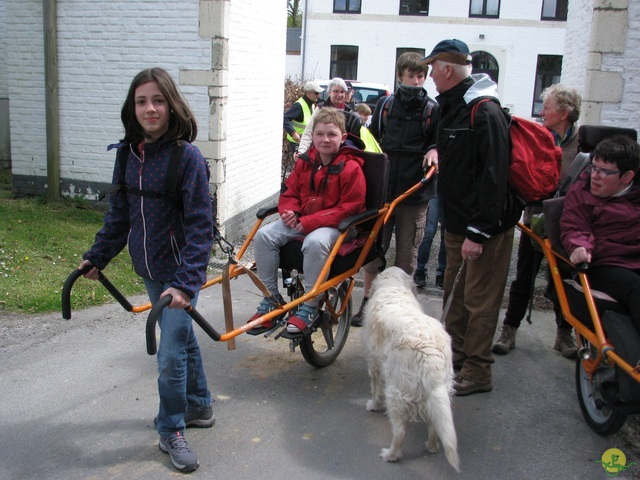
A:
[79,397]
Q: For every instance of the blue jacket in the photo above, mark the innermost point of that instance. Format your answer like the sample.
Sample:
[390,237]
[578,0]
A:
[165,244]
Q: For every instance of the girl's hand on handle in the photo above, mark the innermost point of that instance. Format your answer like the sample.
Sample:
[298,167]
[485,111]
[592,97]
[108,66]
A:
[180,298]
[91,274]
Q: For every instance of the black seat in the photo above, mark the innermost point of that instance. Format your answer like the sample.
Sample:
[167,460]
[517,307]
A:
[376,169]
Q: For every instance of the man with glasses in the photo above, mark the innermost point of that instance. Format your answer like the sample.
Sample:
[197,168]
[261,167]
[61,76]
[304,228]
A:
[600,222]
[298,115]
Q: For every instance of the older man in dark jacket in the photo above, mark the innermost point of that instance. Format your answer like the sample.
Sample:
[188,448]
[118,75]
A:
[478,206]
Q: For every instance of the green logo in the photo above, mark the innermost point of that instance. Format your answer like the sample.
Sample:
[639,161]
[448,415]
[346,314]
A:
[614,461]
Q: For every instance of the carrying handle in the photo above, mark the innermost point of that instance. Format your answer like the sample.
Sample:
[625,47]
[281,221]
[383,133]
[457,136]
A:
[71,279]
[152,320]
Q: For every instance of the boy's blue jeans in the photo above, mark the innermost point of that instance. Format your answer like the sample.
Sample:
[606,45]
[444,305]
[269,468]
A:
[182,384]
[434,214]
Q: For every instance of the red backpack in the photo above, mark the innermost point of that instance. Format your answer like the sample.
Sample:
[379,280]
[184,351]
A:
[536,161]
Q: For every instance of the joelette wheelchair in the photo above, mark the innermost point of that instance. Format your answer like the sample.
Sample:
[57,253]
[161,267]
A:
[328,333]
[607,370]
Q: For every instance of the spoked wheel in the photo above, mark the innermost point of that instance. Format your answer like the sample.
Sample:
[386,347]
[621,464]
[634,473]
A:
[600,417]
[323,346]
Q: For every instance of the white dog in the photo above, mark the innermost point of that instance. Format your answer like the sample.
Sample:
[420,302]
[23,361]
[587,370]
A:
[410,365]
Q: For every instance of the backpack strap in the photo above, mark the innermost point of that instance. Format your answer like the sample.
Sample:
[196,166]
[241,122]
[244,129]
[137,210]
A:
[427,114]
[475,107]
[382,116]
[173,179]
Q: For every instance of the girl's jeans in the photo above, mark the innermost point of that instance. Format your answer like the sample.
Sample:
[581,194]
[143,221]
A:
[182,384]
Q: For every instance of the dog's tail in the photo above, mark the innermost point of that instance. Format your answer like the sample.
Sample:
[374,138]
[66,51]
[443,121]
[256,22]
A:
[440,418]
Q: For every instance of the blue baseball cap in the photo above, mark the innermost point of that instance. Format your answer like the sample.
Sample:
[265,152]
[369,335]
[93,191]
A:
[453,51]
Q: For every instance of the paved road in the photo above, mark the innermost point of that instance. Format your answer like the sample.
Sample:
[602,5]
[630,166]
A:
[78,398]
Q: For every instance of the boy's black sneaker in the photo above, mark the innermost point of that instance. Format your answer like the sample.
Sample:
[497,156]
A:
[182,458]
[202,418]
[420,278]
[440,282]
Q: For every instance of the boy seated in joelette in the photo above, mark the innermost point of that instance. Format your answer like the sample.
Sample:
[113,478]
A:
[600,222]
[326,186]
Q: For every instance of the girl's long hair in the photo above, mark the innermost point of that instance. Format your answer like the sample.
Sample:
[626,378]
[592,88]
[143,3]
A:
[182,123]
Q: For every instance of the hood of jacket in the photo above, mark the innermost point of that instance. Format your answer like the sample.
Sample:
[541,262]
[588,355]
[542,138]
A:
[483,87]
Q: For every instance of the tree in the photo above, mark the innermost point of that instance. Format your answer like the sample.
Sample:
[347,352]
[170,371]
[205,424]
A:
[294,16]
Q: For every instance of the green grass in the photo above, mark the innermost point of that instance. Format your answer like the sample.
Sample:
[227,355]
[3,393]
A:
[41,243]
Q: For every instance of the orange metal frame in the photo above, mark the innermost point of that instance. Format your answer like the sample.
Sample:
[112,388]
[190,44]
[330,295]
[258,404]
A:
[320,286]
[595,337]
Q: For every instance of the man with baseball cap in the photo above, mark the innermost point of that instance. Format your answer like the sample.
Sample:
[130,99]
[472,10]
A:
[298,115]
[479,209]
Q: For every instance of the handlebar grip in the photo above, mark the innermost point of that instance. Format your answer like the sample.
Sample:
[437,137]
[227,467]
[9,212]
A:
[66,290]
[71,279]
[152,320]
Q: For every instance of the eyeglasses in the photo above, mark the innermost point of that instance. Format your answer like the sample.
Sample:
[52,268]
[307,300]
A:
[600,172]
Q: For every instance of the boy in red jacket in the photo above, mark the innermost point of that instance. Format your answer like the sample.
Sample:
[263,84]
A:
[326,186]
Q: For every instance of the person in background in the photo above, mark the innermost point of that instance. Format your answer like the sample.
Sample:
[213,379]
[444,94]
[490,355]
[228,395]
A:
[299,114]
[479,209]
[560,114]
[349,100]
[434,215]
[404,125]
[364,111]
[600,223]
[337,89]
[169,243]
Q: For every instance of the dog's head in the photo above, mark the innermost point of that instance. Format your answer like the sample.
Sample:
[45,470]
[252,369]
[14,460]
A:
[393,276]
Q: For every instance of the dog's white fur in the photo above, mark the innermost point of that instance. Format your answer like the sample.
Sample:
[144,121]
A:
[410,365]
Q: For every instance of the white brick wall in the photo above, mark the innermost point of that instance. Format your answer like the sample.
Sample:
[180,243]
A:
[102,45]
[577,43]
[4,84]
[5,148]
[256,78]
[515,40]
[626,113]
[25,66]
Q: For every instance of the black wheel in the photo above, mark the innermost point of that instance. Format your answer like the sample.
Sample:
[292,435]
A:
[599,415]
[323,346]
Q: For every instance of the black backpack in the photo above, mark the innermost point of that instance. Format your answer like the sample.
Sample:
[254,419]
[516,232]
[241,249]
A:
[427,110]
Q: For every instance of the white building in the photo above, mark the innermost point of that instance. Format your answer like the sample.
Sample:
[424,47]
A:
[215,49]
[520,42]
[591,45]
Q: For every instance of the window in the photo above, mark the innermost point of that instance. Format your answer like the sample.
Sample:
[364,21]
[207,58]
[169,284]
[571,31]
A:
[547,73]
[414,7]
[484,8]
[483,62]
[554,9]
[344,62]
[346,6]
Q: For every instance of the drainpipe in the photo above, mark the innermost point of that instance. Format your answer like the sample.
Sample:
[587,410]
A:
[304,39]
[50,14]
